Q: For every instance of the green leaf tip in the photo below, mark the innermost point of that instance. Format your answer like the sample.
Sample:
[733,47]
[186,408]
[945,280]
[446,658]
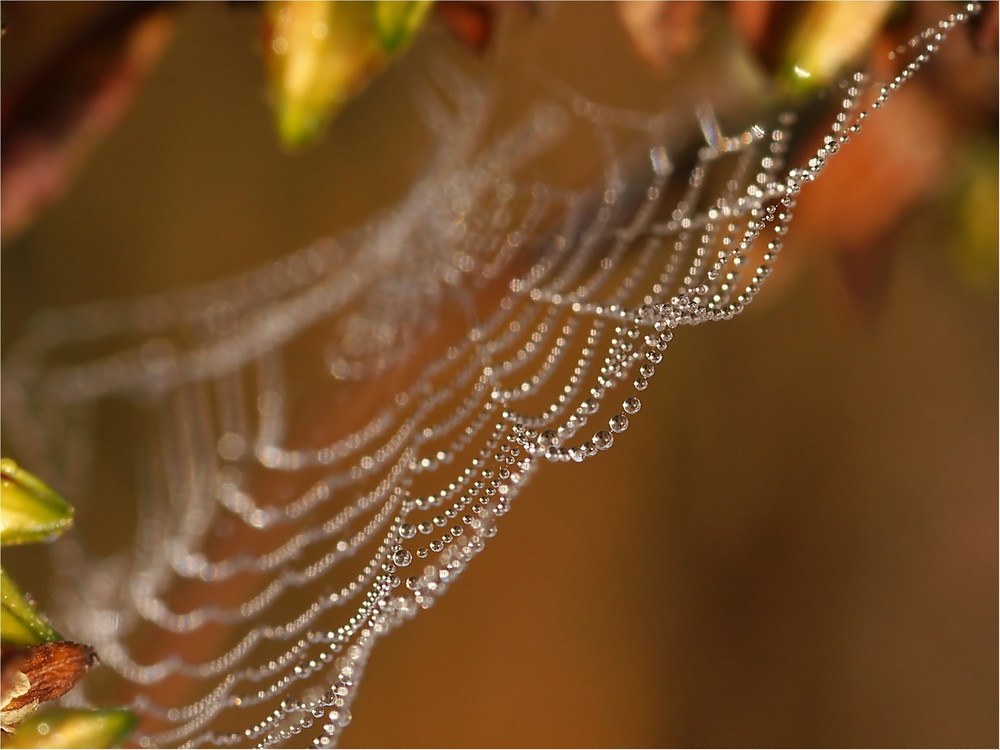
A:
[321,54]
[829,38]
[30,511]
[396,22]
[73,728]
[20,623]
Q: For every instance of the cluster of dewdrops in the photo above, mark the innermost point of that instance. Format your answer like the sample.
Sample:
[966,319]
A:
[711,300]
[708,292]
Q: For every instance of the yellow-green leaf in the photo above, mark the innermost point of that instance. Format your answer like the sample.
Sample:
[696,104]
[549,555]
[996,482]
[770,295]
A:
[20,623]
[72,728]
[320,54]
[397,21]
[29,510]
[830,36]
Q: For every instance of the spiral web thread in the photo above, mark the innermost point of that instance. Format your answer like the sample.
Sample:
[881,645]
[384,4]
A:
[501,323]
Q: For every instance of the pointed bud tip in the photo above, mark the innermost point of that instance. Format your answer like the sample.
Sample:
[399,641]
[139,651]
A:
[30,511]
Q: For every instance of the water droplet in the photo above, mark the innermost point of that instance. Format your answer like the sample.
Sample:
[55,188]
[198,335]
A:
[618,423]
[231,446]
[402,557]
[548,438]
[659,159]
[603,440]
[407,530]
[631,405]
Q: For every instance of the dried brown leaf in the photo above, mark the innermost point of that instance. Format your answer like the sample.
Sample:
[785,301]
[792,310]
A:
[472,22]
[51,670]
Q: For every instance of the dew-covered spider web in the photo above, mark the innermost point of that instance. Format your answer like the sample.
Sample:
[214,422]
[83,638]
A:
[329,441]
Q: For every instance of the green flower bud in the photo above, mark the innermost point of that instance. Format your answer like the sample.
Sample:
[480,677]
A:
[830,37]
[66,728]
[20,623]
[320,54]
[29,510]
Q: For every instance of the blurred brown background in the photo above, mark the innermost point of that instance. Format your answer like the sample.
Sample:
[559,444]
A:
[796,544]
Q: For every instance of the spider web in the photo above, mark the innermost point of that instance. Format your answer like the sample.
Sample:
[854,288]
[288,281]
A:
[488,325]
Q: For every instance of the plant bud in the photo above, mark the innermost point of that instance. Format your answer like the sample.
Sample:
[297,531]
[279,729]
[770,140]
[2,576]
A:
[29,510]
